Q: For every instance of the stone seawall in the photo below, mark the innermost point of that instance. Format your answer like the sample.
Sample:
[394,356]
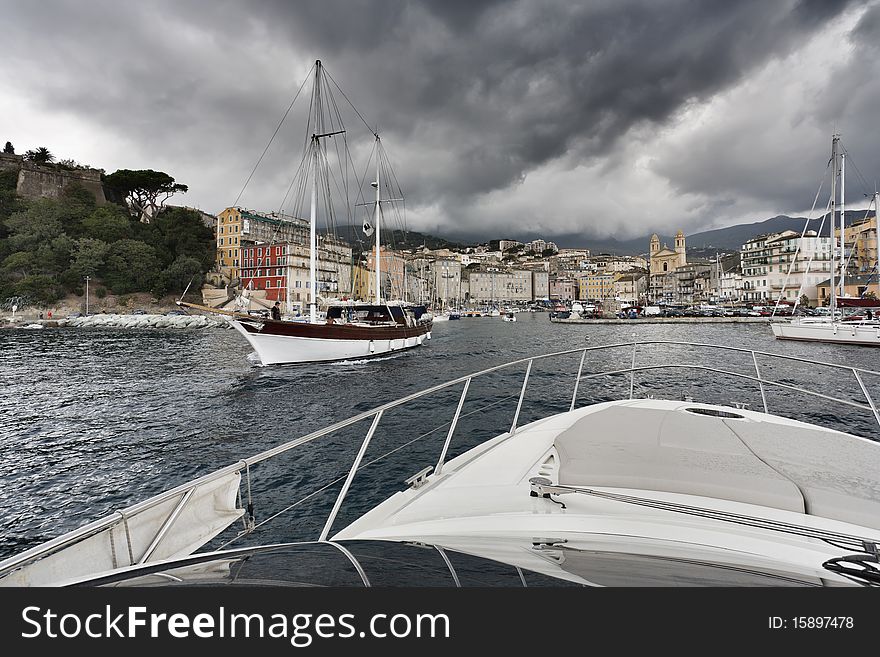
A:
[126,321]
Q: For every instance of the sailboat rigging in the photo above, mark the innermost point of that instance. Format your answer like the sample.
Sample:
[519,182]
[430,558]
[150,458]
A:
[836,327]
[352,330]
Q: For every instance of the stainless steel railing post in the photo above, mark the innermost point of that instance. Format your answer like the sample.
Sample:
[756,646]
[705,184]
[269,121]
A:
[442,458]
[350,477]
[577,381]
[760,382]
[867,396]
[521,395]
[632,372]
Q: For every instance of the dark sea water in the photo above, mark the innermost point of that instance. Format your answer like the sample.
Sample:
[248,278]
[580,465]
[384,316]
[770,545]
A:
[93,420]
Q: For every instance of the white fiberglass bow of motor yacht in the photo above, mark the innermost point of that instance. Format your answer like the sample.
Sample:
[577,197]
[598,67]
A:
[633,490]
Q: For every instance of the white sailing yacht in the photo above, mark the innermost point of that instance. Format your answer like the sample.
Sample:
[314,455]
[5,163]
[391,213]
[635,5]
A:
[351,330]
[836,327]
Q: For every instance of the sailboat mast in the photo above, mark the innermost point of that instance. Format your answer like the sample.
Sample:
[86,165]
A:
[378,224]
[832,286]
[842,225]
[313,239]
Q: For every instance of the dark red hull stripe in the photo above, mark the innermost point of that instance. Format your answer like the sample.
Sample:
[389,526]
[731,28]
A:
[336,331]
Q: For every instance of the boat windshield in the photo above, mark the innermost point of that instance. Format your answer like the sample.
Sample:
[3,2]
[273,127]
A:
[368,314]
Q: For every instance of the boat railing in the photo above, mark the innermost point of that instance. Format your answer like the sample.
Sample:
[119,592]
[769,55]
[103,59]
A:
[176,499]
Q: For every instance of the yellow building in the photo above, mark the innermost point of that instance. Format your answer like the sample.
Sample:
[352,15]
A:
[360,283]
[597,287]
[228,241]
[854,286]
[237,227]
[860,239]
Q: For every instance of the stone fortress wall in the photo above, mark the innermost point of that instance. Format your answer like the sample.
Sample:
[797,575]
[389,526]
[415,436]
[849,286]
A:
[50,181]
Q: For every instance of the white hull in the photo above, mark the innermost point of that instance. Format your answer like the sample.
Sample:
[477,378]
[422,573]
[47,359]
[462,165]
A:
[835,332]
[280,349]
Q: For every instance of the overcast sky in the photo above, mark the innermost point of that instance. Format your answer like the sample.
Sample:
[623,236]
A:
[553,118]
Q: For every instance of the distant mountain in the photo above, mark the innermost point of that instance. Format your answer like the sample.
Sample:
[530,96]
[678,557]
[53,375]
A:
[699,245]
[707,243]
[396,239]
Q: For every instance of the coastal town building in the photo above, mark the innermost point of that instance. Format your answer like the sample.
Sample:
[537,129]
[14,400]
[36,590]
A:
[563,289]
[784,265]
[631,287]
[755,262]
[596,287]
[501,284]
[730,287]
[445,282]
[663,261]
[860,241]
[858,285]
[692,283]
[796,265]
[280,271]
[392,273]
[239,228]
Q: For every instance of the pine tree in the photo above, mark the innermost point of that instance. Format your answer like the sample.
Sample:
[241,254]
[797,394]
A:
[8,149]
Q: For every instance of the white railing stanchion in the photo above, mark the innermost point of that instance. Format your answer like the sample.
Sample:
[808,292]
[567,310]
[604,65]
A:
[521,395]
[577,381]
[350,477]
[632,372]
[868,397]
[452,428]
[760,382]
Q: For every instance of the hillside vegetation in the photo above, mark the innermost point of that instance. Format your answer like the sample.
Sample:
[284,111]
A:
[49,246]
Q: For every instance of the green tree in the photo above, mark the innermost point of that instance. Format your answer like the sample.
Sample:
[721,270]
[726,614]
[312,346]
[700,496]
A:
[39,223]
[9,201]
[75,204]
[39,288]
[804,301]
[88,257]
[108,224]
[181,232]
[17,265]
[183,271]
[131,266]
[40,155]
[145,191]
[8,149]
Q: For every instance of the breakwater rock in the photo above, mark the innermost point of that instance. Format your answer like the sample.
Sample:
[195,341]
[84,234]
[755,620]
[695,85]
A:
[146,321]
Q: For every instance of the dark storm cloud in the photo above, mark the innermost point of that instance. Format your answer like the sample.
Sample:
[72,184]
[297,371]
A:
[470,96]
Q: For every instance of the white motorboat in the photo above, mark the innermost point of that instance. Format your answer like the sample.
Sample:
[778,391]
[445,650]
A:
[633,491]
